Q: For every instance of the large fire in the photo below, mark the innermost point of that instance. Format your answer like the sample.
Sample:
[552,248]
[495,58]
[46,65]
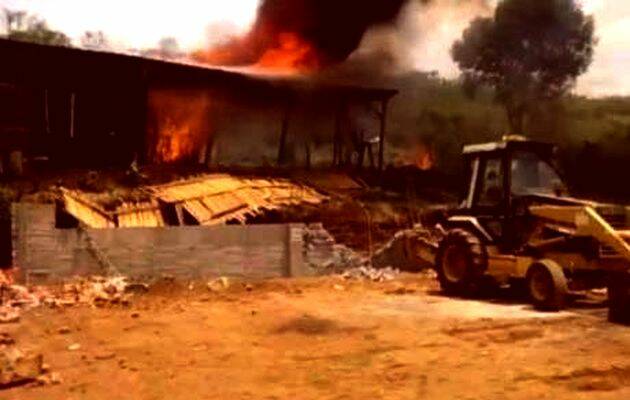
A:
[301,36]
[284,52]
[175,141]
[179,126]
[292,53]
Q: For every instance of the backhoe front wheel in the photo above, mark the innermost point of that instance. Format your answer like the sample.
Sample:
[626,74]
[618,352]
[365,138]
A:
[461,262]
[547,286]
[619,298]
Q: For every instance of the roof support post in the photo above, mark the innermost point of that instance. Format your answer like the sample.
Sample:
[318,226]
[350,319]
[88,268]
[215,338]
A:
[381,142]
[143,149]
[284,133]
[73,97]
[337,137]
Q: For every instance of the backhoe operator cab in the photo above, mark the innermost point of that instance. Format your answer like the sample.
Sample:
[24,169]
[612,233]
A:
[517,223]
[505,177]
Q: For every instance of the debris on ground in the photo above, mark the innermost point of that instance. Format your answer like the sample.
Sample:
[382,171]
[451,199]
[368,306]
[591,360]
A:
[107,355]
[16,298]
[219,284]
[64,330]
[94,291]
[400,290]
[18,367]
[372,274]
[324,255]
[52,378]
[6,339]
[8,316]
[404,249]
[74,347]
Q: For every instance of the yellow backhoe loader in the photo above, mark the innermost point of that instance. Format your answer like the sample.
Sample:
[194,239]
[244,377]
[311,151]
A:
[518,224]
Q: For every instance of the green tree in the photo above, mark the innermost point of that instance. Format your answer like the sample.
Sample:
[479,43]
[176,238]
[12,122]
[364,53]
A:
[28,28]
[529,51]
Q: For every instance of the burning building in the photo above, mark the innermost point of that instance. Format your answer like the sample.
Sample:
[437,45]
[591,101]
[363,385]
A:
[79,108]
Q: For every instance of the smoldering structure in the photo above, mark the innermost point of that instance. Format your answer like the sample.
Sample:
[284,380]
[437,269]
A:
[98,110]
[95,109]
[286,92]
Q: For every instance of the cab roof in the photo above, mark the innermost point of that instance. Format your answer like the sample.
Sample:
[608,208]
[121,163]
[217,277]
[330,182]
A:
[511,144]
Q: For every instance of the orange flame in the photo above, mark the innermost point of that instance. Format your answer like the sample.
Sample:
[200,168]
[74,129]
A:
[293,53]
[423,157]
[175,142]
[284,52]
[180,125]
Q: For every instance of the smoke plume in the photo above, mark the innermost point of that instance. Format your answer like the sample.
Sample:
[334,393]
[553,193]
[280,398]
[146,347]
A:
[420,38]
[366,37]
[304,34]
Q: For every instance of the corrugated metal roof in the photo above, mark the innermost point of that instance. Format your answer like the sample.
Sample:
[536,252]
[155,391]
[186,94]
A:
[210,200]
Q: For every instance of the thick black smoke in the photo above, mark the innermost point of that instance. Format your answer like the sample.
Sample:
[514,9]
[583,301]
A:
[334,28]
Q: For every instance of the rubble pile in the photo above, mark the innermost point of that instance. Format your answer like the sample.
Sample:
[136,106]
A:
[372,274]
[324,255]
[95,291]
[16,298]
[18,367]
[402,251]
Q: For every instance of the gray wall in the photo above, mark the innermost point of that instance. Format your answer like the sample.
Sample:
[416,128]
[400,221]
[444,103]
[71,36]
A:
[46,254]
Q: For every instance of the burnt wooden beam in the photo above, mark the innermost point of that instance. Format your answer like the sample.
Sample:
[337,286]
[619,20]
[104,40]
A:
[381,143]
[284,133]
[337,137]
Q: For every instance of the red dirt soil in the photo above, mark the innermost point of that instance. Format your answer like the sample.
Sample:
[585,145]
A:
[324,338]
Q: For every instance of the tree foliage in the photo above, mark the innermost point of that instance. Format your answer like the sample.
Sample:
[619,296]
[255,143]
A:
[529,51]
[28,28]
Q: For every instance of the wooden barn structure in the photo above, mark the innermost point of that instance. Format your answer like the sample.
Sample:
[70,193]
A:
[68,107]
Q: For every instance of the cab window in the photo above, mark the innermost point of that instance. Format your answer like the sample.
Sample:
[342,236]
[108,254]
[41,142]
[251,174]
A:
[532,175]
[491,193]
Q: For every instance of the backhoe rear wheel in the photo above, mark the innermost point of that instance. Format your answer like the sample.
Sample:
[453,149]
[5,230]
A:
[461,262]
[547,286]
[619,298]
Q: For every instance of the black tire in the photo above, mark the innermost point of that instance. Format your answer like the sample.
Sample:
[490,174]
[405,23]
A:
[461,262]
[547,286]
[619,298]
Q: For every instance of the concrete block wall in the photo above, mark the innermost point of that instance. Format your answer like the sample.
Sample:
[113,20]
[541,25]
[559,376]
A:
[46,254]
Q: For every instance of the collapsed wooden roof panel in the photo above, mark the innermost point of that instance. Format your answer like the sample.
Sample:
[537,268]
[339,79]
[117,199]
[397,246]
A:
[85,211]
[195,188]
[147,215]
[209,200]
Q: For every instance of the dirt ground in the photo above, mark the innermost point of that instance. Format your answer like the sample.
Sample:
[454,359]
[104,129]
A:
[324,338]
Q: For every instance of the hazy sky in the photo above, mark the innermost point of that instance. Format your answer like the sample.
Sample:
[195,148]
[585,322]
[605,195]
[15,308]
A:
[609,72]
[142,23]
